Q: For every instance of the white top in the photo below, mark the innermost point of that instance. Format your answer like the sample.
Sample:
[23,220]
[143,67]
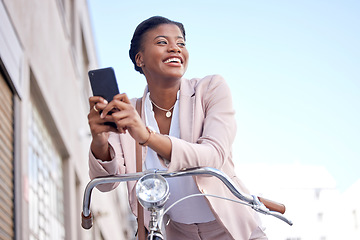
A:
[191,210]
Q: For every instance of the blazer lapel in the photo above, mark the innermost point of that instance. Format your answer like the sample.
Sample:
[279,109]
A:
[186,109]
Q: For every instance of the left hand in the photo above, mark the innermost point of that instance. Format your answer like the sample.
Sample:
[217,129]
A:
[125,117]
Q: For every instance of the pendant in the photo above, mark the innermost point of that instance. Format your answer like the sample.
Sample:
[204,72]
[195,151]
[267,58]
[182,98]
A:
[168,114]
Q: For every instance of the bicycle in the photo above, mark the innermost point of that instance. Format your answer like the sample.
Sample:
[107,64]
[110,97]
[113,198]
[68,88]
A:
[152,191]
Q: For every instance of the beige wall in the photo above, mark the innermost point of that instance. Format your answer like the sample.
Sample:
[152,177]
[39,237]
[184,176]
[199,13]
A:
[48,52]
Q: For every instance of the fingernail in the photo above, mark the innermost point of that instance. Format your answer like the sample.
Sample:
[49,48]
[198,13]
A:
[101,115]
[106,102]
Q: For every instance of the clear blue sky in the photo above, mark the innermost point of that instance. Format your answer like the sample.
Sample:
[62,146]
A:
[293,67]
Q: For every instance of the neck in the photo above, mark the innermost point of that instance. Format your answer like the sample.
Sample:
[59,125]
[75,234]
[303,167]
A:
[164,96]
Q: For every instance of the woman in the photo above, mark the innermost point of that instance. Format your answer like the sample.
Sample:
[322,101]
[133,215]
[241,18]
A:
[184,123]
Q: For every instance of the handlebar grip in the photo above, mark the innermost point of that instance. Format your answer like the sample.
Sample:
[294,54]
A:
[86,222]
[273,206]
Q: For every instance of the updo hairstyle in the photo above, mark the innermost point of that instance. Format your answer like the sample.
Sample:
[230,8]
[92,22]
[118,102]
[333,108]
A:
[141,29]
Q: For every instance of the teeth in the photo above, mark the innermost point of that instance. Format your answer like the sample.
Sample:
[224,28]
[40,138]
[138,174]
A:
[172,60]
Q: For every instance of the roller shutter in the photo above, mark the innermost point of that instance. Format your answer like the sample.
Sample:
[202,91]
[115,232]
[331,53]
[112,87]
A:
[6,162]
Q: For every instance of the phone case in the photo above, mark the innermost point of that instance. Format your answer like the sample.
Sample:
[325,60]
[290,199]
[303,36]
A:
[103,83]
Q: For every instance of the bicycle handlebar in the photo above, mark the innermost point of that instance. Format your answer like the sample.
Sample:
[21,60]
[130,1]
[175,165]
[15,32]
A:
[272,205]
[259,204]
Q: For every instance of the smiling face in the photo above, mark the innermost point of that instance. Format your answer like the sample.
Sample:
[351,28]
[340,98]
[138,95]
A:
[164,54]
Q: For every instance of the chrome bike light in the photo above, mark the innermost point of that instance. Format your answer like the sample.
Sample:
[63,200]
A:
[152,191]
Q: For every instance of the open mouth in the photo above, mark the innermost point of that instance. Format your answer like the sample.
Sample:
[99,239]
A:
[173,60]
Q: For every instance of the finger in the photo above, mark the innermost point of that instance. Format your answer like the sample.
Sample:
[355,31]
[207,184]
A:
[122,97]
[114,106]
[94,119]
[116,129]
[99,128]
[100,106]
[126,119]
[136,128]
[120,114]
[107,109]
[121,130]
[95,108]
[96,99]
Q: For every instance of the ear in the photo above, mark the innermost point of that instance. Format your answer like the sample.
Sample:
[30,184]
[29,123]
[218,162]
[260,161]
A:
[139,60]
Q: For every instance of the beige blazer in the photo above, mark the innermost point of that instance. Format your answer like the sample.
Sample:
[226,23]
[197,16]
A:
[207,132]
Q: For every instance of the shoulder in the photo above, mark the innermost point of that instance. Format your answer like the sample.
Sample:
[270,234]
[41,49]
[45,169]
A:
[205,81]
[205,84]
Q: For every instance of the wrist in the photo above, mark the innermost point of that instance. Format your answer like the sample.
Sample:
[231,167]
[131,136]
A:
[100,139]
[101,152]
[146,142]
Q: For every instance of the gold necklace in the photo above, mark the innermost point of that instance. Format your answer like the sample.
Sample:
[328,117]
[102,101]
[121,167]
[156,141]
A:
[168,113]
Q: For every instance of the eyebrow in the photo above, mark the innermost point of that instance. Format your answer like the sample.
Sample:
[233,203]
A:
[160,36]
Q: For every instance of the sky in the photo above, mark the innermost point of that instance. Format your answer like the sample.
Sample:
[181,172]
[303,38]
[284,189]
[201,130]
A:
[293,68]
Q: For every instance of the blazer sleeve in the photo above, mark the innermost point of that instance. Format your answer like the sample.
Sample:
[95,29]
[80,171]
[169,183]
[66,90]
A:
[214,128]
[99,168]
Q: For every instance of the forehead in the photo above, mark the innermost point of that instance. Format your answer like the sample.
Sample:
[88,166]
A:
[167,30]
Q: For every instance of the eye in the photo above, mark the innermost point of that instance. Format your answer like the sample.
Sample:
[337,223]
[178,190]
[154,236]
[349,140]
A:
[161,42]
[182,44]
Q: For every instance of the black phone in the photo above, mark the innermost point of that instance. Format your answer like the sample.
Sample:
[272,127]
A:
[103,83]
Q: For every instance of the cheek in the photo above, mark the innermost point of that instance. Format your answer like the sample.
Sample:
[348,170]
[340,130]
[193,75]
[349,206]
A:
[185,53]
[186,56]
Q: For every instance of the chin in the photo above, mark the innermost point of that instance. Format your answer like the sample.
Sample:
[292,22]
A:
[176,74]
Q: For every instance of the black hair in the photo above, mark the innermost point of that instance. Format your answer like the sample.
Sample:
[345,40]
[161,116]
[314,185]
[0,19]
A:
[142,28]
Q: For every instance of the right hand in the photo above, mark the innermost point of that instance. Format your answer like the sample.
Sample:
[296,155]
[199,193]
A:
[99,131]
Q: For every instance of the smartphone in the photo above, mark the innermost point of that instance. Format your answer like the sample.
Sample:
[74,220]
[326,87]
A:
[103,83]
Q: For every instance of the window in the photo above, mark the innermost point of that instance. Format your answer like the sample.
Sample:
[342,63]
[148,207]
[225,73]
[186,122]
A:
[46,211]
[67,14]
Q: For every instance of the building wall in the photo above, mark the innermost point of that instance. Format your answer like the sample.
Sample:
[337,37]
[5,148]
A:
[46,49]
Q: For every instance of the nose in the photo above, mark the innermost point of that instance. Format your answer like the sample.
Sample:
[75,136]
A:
[174,48]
